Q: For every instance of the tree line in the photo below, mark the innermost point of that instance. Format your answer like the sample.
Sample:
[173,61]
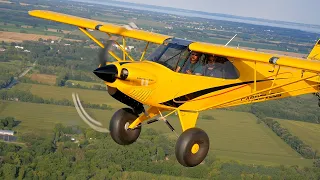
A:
[8,123]
[293,108]
[298,145]
[297,108]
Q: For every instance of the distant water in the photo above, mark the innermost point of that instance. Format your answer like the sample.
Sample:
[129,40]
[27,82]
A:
[303,27]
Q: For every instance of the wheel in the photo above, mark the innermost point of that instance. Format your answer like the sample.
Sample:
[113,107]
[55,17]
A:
[119,124]
[192,147]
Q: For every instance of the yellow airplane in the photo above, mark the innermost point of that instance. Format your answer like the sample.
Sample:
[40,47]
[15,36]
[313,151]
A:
[187,77]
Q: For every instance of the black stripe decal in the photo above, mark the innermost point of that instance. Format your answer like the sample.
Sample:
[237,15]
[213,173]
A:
[196,94]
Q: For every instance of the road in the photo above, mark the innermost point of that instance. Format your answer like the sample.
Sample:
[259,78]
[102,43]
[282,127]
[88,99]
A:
[15,79]
[27,70]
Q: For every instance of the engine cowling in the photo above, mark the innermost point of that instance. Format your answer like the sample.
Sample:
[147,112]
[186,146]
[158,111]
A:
[137,76]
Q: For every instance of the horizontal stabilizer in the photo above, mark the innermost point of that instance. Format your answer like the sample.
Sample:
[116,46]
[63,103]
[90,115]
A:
[315,52]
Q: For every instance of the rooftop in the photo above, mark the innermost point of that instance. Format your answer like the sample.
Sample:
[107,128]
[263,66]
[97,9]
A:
[6,131]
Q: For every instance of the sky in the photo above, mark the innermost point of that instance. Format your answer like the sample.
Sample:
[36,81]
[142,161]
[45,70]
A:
[301,11]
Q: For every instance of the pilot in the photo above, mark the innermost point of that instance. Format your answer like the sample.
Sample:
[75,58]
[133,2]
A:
[191,66]
[213,68]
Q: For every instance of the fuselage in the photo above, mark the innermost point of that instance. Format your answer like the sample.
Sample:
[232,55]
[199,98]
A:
[154,82]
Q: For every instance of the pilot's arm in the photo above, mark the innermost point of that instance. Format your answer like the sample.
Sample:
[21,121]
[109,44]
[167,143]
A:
[180,64]
[198,71]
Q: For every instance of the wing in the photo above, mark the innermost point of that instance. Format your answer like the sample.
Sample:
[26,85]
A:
[309,65]
[101,26]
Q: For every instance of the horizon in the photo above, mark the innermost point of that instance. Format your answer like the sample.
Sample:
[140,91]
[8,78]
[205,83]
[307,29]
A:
[309,17]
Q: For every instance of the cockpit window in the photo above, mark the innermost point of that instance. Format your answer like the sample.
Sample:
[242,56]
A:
[175,55]
[219,67]
[169,55]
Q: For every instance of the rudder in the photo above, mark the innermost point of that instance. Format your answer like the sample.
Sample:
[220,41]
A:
[315,52]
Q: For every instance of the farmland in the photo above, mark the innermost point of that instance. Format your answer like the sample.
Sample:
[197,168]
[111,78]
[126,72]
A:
[230,138]
[19,37]
[233,135]
[85,84]
[307,132]
[44,78]
[59,93]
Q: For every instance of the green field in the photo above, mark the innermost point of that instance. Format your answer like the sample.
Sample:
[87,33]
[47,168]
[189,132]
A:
[59,93]
[37,30]
[43,117]
[309,133]
[86,84]
[233,135]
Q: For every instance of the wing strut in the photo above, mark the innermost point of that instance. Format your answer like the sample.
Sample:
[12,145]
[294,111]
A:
[98,42]
[144,52]
[122,48]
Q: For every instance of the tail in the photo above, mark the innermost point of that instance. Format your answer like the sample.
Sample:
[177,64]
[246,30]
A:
[315,52]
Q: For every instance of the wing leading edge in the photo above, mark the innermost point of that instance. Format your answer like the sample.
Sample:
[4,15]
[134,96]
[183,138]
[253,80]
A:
[98,25]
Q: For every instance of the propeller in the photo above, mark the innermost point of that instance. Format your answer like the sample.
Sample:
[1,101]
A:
[106,72]
[104,55]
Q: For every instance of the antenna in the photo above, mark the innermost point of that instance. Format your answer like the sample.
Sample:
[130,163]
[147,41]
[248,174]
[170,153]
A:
[231,39]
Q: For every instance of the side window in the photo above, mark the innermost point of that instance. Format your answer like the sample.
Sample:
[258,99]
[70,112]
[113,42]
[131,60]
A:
[219,67]
[207,65]
[192,64]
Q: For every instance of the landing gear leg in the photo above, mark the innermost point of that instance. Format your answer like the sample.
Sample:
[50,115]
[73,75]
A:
[119,127]
[192,147]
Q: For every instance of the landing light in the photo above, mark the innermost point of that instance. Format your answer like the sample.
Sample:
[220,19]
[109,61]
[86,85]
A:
[124,74]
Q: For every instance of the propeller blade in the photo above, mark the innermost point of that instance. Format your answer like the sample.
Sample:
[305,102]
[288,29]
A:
[104,53]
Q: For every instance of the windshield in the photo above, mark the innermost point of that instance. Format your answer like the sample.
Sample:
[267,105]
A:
[169,55]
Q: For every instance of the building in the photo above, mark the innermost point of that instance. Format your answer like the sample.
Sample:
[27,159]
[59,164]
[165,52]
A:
[6,132]
[19,47]
[127,48]
[7,135]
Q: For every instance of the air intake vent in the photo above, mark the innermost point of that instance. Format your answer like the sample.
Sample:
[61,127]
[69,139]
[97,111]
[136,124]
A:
[140,94]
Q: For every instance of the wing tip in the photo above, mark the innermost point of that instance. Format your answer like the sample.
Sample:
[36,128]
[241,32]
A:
[34,12]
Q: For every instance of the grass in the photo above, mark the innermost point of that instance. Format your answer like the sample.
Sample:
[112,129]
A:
[237,136]
[309,133]
[30,30]
[86,84]
[43,117]
[44,78]
[59,93]
[233,135]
